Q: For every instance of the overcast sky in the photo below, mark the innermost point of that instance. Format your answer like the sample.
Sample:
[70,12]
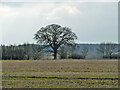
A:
[93,22]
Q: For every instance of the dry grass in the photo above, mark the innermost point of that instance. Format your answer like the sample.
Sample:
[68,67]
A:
[60,68]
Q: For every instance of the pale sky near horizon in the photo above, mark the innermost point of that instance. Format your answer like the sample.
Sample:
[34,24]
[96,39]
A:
[93,22]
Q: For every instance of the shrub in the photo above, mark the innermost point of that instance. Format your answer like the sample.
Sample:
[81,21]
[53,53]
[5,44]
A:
[76,56]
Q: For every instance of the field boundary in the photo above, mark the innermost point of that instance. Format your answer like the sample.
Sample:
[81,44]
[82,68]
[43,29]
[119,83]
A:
[62,78]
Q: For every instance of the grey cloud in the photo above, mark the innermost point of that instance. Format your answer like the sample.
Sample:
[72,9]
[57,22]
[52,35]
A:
[96,23]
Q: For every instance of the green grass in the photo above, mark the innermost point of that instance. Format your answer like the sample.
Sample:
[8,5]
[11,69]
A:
[59,83]
[17,74]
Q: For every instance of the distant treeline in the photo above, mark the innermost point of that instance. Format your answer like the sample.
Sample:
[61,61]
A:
[34,51]
[20,52]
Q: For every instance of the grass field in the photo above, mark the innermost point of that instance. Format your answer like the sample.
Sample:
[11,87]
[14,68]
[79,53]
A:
[60,73]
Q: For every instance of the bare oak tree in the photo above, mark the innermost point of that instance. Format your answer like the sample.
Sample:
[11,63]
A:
[106,49]
[54,35]
[84,52]
[110,47]
[102,49]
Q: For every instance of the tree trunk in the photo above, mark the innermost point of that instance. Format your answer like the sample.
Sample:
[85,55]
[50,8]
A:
[110,55]
[55,53]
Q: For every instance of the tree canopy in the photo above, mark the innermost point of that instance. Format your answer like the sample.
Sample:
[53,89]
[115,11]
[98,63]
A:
[55,35]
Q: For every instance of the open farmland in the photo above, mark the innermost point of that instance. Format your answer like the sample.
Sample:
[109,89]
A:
[60,73]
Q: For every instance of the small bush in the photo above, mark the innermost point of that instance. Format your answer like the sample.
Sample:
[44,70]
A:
[111,57]
[76,56]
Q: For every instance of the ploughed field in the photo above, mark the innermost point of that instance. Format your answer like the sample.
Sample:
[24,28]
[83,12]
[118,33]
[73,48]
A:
[60,73]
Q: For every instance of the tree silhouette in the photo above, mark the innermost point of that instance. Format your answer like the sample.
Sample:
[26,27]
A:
[54,36]
[106,49]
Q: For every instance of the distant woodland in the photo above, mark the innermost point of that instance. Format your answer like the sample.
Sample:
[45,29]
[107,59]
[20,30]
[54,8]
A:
[78,51]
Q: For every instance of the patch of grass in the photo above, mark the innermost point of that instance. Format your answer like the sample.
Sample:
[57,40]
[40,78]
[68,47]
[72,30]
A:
[17,73]
[60,83]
